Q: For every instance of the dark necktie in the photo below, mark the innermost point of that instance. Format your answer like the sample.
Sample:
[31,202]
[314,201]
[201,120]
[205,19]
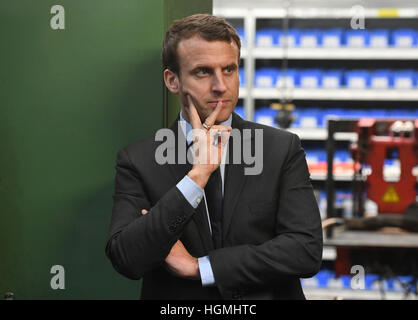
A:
[213,192]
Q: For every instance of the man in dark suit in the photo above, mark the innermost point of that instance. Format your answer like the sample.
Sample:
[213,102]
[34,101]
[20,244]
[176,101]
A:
[213,227]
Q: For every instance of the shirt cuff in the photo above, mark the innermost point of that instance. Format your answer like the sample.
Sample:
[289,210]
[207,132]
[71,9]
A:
[191,191]
[206,273]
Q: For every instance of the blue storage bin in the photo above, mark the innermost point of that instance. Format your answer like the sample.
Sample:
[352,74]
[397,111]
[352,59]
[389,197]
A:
[357,79]
[348,195]
[355,113]
[290,38]
[241,33]
[381,79]
[344,197]
[377,113]
[297,116]
[356,38]
[400,113]
[379,38]
[322,195]
[310,38]
[309,282]
[323,277]
[341,156]
[287,79]
[315,155]
[310,78]
[332,79]
[404,38]
[370,279]
[400,281]
[346,281]
[416,77]
[266,37]
[335,283]
[310,118]
[241,75]
[322,203]
[339,195]
[404,79]
[266,77]
[333,112]
[392,113]
[311,155]
[389,284]
[265,115]
[322,155]
[321,118]
[332,38]
[240,111]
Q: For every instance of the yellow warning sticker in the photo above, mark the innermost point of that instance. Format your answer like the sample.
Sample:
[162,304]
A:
[391,195]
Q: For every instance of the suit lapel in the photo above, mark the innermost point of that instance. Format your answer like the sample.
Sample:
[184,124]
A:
[234,178]
[178,170]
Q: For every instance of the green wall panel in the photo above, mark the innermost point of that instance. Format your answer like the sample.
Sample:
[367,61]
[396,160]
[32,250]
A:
[69,100]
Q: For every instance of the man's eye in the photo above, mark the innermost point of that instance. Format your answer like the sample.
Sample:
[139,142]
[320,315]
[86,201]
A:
[229,69]
[202,72]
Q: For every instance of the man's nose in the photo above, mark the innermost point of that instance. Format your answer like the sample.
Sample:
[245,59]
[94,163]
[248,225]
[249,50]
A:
[218,83]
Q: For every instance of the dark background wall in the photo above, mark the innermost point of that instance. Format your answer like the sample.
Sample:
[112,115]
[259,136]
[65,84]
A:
[69,100]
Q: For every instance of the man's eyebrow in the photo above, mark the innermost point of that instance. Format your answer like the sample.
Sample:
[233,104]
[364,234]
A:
[198,67]
[202,66]
[232,65]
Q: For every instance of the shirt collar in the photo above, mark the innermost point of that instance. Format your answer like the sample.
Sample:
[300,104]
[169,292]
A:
[188,127]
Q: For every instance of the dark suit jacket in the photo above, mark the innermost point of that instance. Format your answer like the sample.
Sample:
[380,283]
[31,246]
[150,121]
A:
[271,224]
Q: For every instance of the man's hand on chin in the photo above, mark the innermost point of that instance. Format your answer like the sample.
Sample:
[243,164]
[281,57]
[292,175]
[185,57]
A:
[179,262]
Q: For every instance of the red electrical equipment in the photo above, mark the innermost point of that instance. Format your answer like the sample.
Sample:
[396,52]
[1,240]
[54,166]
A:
[379,140]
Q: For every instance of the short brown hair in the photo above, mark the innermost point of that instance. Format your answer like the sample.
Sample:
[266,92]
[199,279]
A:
[207,26]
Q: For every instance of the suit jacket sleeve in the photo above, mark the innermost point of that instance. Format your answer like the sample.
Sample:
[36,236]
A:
[296,251]
[139,243]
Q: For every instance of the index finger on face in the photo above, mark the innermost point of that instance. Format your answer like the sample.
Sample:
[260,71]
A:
[210,120]
[193,114]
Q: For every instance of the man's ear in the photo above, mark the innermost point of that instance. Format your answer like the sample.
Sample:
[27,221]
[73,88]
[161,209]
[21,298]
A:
[171,80]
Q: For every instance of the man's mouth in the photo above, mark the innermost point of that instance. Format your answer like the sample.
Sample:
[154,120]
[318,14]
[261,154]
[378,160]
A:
[214,103]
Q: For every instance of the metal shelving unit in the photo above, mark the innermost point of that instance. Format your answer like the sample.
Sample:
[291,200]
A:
[339,294]
[322,134]
[333,94]
[249,12]
[334,53]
